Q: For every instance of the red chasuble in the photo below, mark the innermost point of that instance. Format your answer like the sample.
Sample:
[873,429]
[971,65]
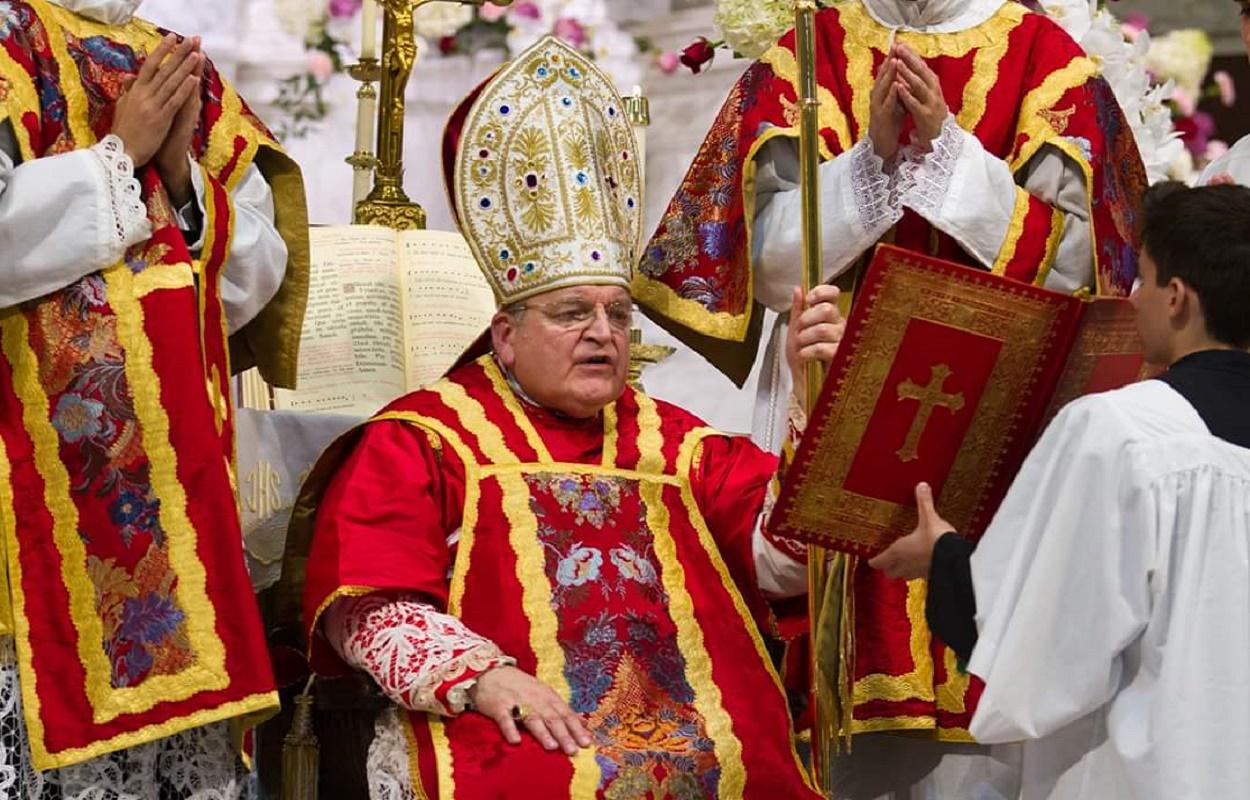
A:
[611,557]
[1017,82]
[131,609]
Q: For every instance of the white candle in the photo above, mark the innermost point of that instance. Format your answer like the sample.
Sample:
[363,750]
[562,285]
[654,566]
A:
[369,32]
[366,113]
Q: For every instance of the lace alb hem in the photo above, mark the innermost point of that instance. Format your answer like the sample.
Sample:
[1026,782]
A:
[130,216]
[198,764]
[925,178]
[388,762]
[876,200]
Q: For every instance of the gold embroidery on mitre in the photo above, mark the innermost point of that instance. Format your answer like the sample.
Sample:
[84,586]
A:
[547,182]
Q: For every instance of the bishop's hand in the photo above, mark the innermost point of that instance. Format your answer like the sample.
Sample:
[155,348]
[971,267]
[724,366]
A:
[511,697]
[911,556]
[151,99]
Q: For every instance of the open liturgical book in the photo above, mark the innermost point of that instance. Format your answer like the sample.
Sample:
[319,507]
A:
[388,312]
[946,375]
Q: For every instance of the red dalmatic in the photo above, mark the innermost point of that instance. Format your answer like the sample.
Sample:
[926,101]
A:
[130,605]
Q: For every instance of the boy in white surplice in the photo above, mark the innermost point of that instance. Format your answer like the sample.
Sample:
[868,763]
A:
[1107,607]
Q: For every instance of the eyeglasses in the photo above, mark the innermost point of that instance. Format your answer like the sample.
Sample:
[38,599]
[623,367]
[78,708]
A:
[576,315]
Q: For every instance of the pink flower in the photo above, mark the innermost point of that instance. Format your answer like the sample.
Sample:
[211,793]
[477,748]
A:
[668,62]
[527,10]
[1134,24]
[1228,92]
[1196,132]
[490,12]
[344,9]
[320,65]
[1215,149]
[1184,102]
[571,31]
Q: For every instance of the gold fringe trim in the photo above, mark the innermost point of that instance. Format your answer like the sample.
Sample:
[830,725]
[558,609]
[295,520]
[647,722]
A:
[917,684]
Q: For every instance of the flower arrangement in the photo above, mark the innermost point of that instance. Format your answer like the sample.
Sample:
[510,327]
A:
[1158,81]
[448,29]
[746,27]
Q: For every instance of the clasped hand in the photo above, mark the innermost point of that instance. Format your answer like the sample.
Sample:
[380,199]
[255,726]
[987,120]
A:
[159,109]
[905,86]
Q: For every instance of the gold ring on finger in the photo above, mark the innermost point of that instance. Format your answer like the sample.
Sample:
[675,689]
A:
[519,712]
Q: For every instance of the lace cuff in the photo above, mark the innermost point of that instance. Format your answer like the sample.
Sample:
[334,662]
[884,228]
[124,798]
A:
[421,658]
[925,178]
[873,184]
[130,216]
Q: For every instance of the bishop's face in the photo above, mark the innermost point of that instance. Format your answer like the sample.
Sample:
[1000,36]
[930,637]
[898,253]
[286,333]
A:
[568,348]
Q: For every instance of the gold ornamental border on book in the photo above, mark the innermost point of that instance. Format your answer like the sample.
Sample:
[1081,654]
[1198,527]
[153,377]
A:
[1023,325]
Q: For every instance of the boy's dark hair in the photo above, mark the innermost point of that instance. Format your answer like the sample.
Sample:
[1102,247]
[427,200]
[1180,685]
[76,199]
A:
[1202,237]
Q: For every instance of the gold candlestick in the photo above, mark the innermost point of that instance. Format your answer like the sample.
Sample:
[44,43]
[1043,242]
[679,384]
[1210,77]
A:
[387,204]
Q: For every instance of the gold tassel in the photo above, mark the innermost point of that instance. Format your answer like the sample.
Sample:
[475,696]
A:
[300,752]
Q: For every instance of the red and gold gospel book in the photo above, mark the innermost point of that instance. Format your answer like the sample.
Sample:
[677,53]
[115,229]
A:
[947,375]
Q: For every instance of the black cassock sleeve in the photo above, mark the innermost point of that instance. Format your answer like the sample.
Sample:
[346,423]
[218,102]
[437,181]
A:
[951,607]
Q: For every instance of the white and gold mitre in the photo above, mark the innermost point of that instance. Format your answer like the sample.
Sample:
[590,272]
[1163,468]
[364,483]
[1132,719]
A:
[545,183]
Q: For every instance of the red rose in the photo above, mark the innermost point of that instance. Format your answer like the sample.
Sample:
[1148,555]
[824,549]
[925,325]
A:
[698,54]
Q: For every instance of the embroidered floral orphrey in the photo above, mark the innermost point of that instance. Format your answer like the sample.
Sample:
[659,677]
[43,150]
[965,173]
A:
[124,581]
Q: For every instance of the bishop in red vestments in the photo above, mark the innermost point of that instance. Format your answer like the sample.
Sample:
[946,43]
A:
[558,579]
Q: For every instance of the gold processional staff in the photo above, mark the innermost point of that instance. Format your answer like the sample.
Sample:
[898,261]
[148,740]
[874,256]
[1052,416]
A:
[830,596]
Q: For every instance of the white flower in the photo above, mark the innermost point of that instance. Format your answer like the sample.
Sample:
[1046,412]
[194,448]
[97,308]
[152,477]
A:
[616,53]
[1074,16]
[301,18]
[1122,62]
[591,13]
[524,33]
[1184,56]
[433,21]
[1182,167]
[750,27]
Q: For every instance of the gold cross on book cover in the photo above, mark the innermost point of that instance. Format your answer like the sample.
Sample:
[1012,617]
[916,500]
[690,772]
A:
[946,375]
